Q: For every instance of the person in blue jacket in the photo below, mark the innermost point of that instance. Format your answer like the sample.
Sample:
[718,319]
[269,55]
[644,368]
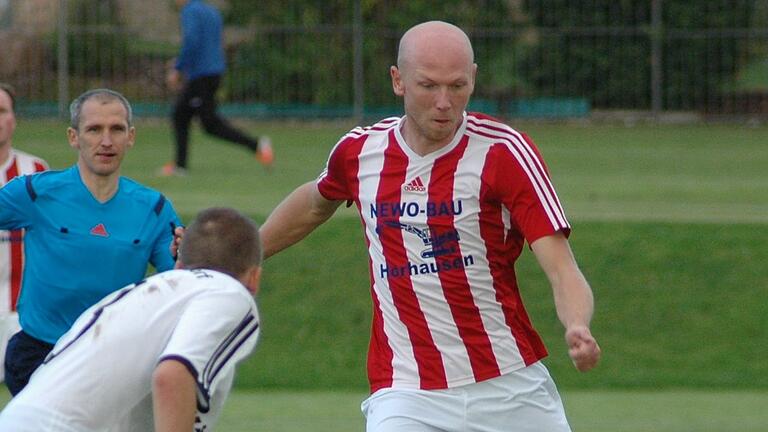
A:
[89,231]
[196,74]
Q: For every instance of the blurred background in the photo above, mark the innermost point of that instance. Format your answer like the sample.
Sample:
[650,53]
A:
[652,116]
[626,59]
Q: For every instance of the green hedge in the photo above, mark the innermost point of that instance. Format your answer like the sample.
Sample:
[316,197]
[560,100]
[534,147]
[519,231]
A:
[603,50]
[599,49]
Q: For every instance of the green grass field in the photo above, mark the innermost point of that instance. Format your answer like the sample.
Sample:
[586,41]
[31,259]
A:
[588,411]
[594,411]
[670,227]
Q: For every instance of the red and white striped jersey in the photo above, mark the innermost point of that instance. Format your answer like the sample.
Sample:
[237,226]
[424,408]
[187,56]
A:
[11,247]
[443,233]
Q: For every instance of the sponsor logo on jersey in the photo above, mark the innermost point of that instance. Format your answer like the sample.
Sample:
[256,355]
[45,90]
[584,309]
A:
[413,209]
[416,185]
[413,269]
[438,244]
[100,230]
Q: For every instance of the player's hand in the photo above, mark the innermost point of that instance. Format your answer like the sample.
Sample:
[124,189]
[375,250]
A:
[178,233]
[582,348]
[173,79]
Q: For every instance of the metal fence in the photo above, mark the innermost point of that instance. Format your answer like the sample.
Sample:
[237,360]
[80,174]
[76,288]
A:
[313,58]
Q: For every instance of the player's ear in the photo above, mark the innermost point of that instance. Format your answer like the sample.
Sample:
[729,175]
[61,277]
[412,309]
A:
[72,138]
[252,278]
[397,81]
[131,136]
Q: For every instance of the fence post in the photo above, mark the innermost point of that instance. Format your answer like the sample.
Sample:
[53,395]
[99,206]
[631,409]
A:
[63,59]
[358,76]
[657,29]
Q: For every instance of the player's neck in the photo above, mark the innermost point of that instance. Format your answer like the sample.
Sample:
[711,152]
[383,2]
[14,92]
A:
[5,152]
[102,187]
[419,142]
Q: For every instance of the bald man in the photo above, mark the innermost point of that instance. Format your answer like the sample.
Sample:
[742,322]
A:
[448,200]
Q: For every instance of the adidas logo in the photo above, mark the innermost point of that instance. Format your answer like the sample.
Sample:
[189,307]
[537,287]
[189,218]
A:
[100,230]
[416,185]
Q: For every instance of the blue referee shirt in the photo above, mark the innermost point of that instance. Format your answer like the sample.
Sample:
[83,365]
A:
[202,52]
[78,250]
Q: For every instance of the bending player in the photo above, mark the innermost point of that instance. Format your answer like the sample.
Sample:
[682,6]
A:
[167,345]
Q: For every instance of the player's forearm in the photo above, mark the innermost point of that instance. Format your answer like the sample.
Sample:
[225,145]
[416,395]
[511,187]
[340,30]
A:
[575,304]
[294,218]
[573,296]
[574,301]
[173,397]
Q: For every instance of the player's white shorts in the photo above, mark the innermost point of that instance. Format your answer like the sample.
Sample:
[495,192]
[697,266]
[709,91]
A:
[9,326]
[522,401]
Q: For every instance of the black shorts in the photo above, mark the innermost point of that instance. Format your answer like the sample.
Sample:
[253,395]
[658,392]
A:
[23,356]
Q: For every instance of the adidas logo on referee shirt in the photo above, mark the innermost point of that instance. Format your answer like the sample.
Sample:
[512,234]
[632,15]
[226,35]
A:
[416,185]
[100,230]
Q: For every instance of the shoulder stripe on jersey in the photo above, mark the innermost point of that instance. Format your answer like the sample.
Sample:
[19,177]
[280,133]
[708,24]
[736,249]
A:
[356,134]
[203,398]
[529,162]
[203,383]
[381,126]
[159,204]
[226,342]
[247,333]
[30,188]
[223,353]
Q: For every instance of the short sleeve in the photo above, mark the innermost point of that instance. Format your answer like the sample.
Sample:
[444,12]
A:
[522,182]
[16,201]
[168,219]
[217,329]
[333,182]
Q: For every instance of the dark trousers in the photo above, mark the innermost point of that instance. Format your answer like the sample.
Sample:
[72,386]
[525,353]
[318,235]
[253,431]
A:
[198,98]
[22,357]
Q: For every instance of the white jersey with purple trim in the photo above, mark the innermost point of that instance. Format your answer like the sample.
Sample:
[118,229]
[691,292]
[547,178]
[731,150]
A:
[12,251]
[98,376]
